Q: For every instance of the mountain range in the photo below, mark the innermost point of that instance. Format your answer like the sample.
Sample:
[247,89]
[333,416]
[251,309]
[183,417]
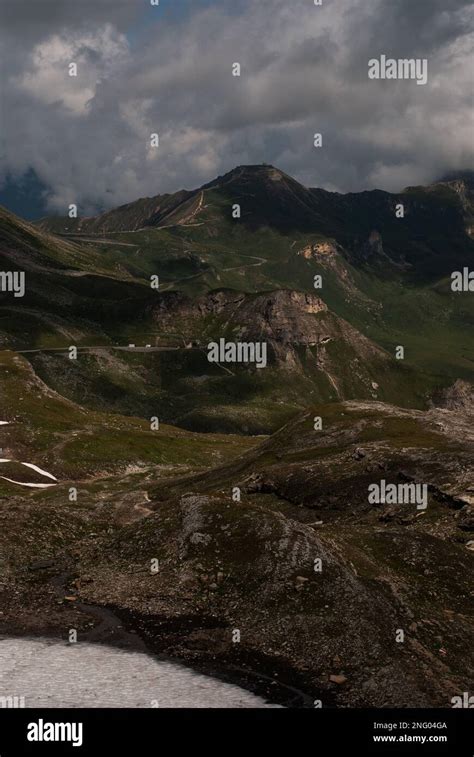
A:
[238,479]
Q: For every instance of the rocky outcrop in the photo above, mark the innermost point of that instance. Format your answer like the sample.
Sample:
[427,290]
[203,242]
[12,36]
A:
[373,245]
[317,250]
[285,319]
[456,397]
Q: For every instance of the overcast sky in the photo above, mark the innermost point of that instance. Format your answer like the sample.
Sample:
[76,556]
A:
[168,69]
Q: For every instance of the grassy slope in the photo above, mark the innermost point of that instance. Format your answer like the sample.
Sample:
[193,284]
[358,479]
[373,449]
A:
[71,442]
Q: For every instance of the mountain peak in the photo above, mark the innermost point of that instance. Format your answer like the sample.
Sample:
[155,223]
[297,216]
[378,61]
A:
[254,169]
[257,172]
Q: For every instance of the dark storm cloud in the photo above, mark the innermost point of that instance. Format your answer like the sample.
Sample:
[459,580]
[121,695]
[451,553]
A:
[304,70]
[36,19]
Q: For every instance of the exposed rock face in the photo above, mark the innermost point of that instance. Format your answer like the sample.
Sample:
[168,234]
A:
[464,188]
[285,319]
[373,245]
[320,249]
[456,397]
[302,336]
[276,313]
